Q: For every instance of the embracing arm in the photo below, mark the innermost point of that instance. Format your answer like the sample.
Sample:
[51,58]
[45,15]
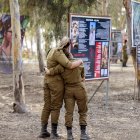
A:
[83,73]
[54,70]
[76,64]
[65,62]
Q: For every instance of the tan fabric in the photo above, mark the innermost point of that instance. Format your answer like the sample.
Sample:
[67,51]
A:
[73,76]
[53,100]
[74,92]
[53,85]
[47,104]
[56,57]
[70,76]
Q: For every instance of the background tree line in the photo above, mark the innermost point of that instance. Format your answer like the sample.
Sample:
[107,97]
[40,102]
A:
[52,17]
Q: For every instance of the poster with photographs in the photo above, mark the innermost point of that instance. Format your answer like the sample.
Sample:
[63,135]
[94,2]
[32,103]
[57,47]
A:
[135,23]
[116,45]
[90,41]
[6,41]
[116,36]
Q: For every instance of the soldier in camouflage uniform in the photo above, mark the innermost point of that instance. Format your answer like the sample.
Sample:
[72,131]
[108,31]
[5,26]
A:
[124,54]
[74,92]
[54,88]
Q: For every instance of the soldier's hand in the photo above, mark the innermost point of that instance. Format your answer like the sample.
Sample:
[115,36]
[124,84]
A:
[81,61]
[83,79]
[47,71]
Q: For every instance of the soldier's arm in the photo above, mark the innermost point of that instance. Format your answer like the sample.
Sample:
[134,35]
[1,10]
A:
[61,58]
[83,74]
[54,70]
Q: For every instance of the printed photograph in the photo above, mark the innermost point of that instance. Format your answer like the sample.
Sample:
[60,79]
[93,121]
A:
[92,33]
[74,34]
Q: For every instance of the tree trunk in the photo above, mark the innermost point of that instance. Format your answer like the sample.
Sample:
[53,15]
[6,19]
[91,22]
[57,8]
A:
[127,5]
[31,41]
[18,85]
[105,7]
[26,44]
[39,52]
[123,23]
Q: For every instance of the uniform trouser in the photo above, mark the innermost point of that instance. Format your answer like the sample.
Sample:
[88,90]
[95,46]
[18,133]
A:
[125,58]
[53,100]
[72,95]
[47,104]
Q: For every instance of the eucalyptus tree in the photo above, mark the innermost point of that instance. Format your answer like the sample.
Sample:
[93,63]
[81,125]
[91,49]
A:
[32,10]
[18,84]
[12,7]
[127,5]
[52,17]
[56,12]
[110,8]
[115,10]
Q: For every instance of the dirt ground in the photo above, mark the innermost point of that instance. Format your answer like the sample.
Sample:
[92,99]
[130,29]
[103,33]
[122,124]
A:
[119,120]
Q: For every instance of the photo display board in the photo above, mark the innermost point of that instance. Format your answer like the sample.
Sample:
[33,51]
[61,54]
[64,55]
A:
[90,41]
[116,36]
[135,23]
[6,41]
[116,43]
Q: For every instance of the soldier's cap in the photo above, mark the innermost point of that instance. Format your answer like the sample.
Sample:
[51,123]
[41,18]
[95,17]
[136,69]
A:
[65,40]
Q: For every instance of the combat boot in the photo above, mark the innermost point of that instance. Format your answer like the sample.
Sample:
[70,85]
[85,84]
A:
[69,133]
[84,136]
[44,133]
[54,134]
[124,64]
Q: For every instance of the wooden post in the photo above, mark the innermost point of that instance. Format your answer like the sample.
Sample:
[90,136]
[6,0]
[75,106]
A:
[104,7]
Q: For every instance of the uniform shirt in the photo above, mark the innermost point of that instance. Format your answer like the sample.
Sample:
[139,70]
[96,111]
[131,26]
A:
[124,50]
[55,57]
[70,76]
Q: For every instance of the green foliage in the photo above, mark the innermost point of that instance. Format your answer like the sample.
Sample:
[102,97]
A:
[55,11]
[115,11]
[4,6]
[51,15]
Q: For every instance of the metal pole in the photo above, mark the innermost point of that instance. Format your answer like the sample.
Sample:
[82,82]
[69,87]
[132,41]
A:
[95,91]
[107,90]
